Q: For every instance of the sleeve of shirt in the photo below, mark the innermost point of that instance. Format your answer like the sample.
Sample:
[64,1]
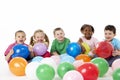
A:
[118,44]
[8,49]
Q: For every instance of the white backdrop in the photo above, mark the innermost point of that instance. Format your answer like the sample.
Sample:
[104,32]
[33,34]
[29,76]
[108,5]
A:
[29,15]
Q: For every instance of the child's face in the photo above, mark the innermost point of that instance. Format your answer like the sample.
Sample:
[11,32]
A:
[109,35]
[59,35]
[87,32]
[20,37]
[39,37]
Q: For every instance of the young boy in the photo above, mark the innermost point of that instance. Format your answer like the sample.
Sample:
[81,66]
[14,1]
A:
[110,33]
[20,38]
[60,42]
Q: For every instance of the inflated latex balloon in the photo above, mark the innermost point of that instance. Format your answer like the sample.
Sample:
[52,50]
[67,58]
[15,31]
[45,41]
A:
[20,50]
[73,49]
[87,47]
[102,65]
[45,72]
[83,57]
[73,75]
[116,74]
[39,49]
[104,49]
[17,66]
[116,64]
[63,68]
[89,71]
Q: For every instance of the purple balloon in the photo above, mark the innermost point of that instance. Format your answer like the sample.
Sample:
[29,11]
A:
[39,49]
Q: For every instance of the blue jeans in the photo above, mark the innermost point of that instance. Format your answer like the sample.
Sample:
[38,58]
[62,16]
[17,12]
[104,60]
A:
[112,59]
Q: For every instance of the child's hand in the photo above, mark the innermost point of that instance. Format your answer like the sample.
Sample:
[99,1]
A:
[11,52]
[115,53]
[30,48]
[55,53]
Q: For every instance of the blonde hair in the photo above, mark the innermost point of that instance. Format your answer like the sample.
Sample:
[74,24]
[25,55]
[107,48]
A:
[32,37]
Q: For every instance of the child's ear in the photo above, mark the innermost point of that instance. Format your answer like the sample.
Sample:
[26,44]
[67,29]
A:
[114,34]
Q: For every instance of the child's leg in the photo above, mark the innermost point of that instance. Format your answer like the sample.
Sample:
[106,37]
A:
[112,59]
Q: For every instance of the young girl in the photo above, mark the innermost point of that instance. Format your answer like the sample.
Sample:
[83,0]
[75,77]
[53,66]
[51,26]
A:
[110,33]
[60,42]
[40,36]
[88,30]
[20,38]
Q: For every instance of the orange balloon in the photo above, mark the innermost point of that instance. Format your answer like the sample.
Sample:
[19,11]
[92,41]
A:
[83,57]
[17,66]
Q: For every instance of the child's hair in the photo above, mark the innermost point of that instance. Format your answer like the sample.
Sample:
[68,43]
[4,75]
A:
[32,37]
[56,29]
[21,31]
[111,28]
[86,25]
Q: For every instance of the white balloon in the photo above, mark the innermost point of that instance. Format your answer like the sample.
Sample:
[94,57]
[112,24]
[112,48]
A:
[30,70]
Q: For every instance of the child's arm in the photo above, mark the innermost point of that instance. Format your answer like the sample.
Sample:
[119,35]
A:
[80,41]
[7,57]
[31,51]
[116,52]
[55,53]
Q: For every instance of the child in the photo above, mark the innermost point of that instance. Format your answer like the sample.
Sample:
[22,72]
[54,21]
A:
[88,30]
[20,38]
[40,36]
[60,42]
[110,33]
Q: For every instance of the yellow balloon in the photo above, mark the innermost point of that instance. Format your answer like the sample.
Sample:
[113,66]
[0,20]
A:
[87,47]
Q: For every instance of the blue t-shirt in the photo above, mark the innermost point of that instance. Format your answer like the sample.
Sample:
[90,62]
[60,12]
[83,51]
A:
[116,44]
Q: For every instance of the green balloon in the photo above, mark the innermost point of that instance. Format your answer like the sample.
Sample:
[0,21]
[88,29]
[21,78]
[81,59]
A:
[45,72]
[102,65]
[63,68]
[116,74]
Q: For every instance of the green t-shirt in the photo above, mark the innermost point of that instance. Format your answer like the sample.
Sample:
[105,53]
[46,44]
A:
[59,47]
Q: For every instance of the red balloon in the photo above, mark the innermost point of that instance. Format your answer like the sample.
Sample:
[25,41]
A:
[89,71]
[104,49]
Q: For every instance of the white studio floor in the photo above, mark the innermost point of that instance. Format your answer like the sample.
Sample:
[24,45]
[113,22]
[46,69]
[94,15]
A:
[5,74]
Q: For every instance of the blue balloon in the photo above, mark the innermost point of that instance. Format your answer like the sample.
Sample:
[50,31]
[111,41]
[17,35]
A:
[73,49]
[67,58]
[37,59]
[20,50]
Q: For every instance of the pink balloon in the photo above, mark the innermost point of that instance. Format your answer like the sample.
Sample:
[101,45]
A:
[73,75]
[116,64]
[56,58]
[78,63]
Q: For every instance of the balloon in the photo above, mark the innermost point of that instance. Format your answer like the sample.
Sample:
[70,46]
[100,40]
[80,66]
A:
[73,75]
[116,74]
[30,70]
[45,72]
[67,58]
[17,66]
[104,49]
[39,49]
[89,71]
[63,68]
[73,49]
[20,50]
[83,57]
[37,59]
[50,62]
[87,47]
[78,63]
[56,58]
[102,65]
[116,64]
